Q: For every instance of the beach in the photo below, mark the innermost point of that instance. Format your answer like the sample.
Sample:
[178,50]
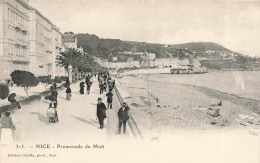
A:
[163,103]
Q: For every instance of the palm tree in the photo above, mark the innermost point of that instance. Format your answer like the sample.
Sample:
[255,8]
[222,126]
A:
[70,57]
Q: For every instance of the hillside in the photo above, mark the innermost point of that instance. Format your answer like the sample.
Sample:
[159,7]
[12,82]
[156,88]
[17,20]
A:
[106,47]
[211,55]
[202,47]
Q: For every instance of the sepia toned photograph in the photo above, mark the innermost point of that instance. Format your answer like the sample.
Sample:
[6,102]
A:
[123,81]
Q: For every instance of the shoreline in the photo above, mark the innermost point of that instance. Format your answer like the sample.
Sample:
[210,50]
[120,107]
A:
[180,108]
[143,71]
[232,97]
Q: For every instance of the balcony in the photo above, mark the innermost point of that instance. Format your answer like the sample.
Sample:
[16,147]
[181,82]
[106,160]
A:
[19,58]
[24,44]
[17,27]
[17,43]
[48,51]
[23,29]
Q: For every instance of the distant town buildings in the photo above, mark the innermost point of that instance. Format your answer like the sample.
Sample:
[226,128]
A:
[140,55]
[70,41]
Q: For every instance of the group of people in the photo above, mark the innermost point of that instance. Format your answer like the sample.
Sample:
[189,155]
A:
[122,113]
[105,81]
[52,110]
[88,82]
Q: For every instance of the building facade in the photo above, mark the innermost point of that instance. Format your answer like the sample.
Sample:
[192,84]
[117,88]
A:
[41,57]
[69,40]
[14,37]
[28,40]
[57,48]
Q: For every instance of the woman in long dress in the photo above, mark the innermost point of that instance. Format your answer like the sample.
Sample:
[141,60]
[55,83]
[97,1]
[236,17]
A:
[81,85]
[68,92]
[7,129]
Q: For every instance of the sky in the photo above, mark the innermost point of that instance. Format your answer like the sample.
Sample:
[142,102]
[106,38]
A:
[235,25]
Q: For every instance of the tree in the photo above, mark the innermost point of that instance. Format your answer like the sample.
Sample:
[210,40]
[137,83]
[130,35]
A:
[71,57]
[242,61]
[45,80]
[4,91]
[87,64]
[24,79]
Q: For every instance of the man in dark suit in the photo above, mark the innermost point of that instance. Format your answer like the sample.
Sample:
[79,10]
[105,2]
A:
[123,117]
[109,99]
[101,112]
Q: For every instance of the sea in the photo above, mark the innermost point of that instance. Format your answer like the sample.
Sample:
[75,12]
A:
[241,83]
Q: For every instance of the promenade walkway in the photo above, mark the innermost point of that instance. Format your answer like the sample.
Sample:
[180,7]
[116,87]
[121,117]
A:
[77,119]
[77,125]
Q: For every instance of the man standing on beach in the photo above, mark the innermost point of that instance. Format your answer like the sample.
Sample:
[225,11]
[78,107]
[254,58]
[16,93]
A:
[101,112]
[123,117]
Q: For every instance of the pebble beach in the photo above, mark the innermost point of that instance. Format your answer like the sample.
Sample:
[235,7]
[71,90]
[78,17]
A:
[160,105]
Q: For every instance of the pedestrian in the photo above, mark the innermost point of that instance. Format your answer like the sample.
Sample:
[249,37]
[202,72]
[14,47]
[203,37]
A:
[68,92]
[53,87]
[109,99]
[11,98]
[110,84]
[105,85]
[89,82]
[67,84]
[54,93]
[101,86]
[114,83]
[7,129]
[81,85]
[101,112]
[123,117]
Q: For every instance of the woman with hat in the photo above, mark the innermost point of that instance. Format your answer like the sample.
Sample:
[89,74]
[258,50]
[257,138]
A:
[101,112]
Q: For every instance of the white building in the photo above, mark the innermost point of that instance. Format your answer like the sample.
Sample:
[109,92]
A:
[70,41]
[26,39]
[57,48]
[14,37]
[40,44]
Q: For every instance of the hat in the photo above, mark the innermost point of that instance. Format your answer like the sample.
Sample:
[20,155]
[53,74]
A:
[124,103]
[99,99]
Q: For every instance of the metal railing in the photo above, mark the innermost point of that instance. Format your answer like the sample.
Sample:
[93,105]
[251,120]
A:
[131,122]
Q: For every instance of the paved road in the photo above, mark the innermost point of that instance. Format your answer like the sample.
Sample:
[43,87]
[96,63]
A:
[77,119]
[77,126]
